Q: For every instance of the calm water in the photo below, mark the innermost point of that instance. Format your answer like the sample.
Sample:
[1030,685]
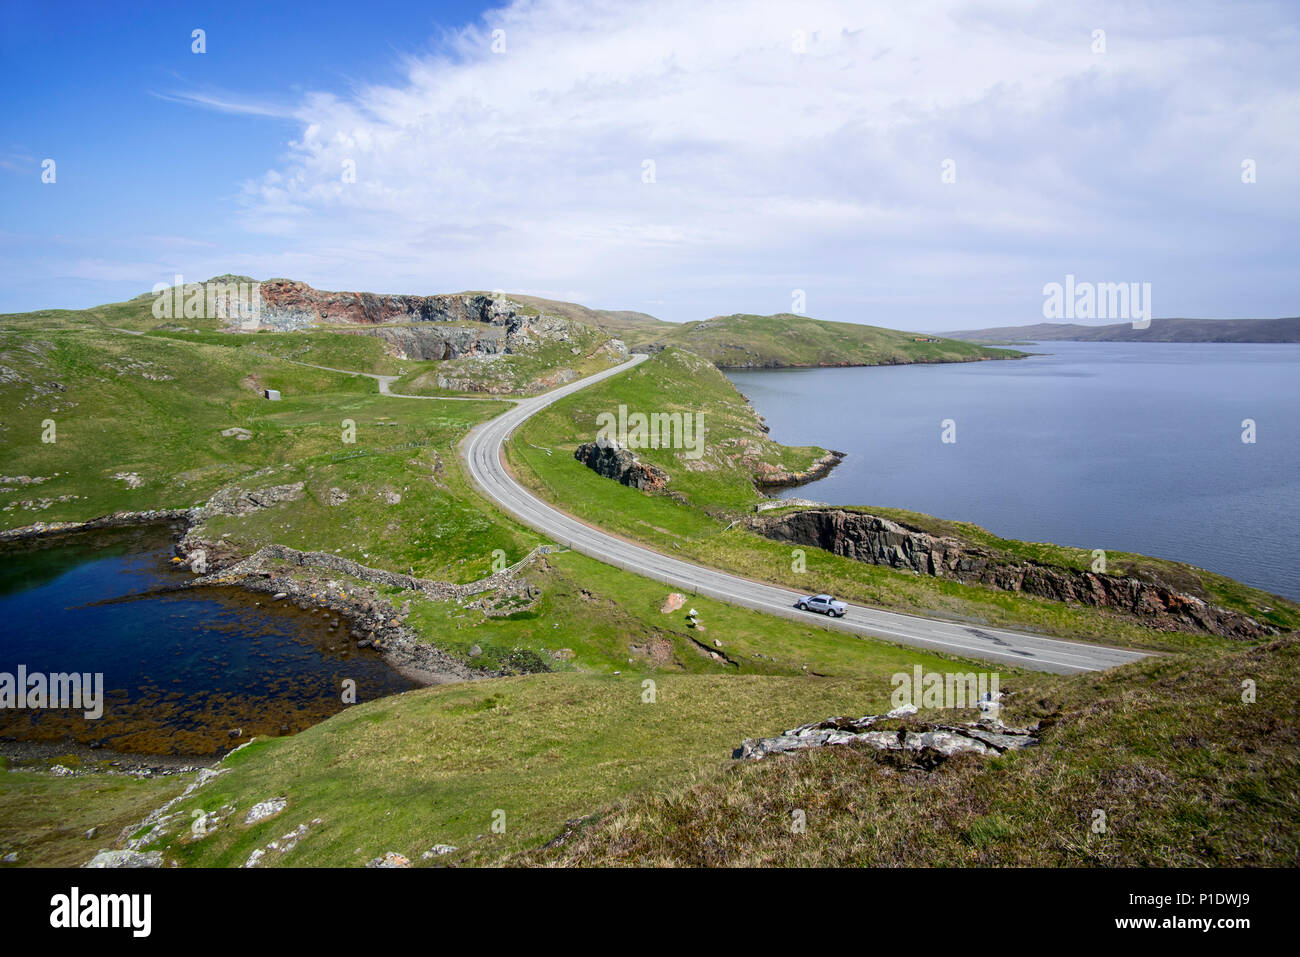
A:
[1131,447]
[181,670]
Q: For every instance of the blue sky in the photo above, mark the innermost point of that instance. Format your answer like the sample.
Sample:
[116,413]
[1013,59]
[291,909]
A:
[792,146]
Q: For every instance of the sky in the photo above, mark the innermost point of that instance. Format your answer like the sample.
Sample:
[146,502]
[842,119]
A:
[929,165]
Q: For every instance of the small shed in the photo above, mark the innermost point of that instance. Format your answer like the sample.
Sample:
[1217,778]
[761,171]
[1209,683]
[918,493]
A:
[273,395]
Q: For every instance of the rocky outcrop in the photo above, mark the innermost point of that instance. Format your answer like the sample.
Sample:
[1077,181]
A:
[768,476]
[443,342]
[288,305]
[606,457]
[239,501]
[925,745]
[880,541]
[284,573]
[415,327]
[116,520]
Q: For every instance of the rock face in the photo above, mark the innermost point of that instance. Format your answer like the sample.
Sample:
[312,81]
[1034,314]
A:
[288,305]
[927,746]
[606,457]
[879,541]
[414,327]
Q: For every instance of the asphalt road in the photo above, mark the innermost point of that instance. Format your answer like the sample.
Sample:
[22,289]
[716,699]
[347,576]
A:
[482,450]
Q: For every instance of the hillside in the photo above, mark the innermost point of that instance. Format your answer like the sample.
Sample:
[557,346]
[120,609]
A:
[1183,772]
[765,342]
[706,512]
[1160,330]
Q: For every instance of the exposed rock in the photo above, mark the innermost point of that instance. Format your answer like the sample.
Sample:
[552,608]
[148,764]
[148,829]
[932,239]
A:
[438,850]
[391,859]
[126,859]
[880,541]
[928,746]
[266,809]
[673,602]
[786,503]
[336,497]
[239,501]
[767,475]
[240,435]
[132,479]
[606,457]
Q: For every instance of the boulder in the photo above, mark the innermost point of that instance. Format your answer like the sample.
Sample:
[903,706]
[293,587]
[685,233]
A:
[606,457]
[126,859]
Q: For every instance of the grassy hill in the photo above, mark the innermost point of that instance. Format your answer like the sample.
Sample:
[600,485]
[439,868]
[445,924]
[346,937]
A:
[1160,330]
[697,515]
[759,342]
[1185,772]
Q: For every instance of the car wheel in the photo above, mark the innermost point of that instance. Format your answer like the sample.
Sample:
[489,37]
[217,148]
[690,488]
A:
[802,606]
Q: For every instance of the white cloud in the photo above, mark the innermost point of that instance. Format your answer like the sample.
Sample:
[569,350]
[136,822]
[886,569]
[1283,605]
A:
[523,170]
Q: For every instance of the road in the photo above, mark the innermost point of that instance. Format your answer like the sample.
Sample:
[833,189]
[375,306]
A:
[482,450]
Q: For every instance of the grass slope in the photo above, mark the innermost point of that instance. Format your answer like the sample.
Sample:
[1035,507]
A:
[45,818]
[1185,772]
[432,766]
[745,341]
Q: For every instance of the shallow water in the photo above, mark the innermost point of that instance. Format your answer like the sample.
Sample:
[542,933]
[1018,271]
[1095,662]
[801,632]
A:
[181,669]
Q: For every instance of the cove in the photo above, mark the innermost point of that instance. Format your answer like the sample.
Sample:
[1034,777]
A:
[186,671]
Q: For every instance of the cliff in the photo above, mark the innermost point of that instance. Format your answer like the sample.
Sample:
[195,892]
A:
[880,541]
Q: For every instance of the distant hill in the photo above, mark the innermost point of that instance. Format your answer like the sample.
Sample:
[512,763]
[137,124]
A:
[767,342]
[1160,330]
[729,342]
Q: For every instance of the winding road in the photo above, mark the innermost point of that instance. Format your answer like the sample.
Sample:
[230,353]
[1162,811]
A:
[482,450]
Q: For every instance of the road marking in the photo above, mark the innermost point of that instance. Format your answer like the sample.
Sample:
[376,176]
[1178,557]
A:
[482,450]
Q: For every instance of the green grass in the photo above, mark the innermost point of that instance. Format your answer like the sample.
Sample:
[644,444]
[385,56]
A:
[353,351]
[747,341]
[736,448]
[45,818]
[431,766]
[1186,773]
[610,620]
[111,417]
[716,491]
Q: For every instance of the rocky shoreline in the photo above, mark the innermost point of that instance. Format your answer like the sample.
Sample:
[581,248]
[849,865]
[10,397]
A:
[774,477]
[304,579]
[879,541]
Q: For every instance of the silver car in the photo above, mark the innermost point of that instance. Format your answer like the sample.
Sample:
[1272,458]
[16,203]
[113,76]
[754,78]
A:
[822,603]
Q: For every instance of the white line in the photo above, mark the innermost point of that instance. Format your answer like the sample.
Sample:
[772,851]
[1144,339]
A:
[482,450]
